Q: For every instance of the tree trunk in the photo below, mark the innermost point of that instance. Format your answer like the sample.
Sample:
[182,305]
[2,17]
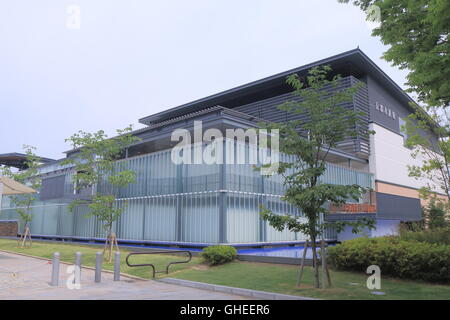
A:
[300,273]
[323,260]
[327,270]
[23,238]
[111,243]
[107,246]
[315,264]
[22,235]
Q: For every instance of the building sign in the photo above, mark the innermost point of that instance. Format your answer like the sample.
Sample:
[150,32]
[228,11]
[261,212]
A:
[382,108]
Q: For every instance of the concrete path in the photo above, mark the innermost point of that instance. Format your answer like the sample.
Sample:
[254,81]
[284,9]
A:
[29,278]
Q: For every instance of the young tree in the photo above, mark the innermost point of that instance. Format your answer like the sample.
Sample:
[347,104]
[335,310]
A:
[417,33]
[433,154]
[23,202]
[435,215]
[328,123]
[95,165]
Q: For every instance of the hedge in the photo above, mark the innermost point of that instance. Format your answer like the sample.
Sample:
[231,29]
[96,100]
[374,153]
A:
[218,254]
[439,235]
[404,259]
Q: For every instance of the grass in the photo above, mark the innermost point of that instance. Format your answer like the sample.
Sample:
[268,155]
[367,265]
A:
[67,254]
[282,279]
[257,276]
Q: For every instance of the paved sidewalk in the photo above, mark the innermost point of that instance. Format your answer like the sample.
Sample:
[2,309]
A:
[29,278]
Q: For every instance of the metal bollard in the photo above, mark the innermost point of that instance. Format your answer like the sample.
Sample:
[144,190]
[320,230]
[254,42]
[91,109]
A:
[117,266]
[77,278]
[98,266]
[55,270]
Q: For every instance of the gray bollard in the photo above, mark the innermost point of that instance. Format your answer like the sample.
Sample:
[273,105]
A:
[98,266]
[77,278]
[117,266]
[55,270]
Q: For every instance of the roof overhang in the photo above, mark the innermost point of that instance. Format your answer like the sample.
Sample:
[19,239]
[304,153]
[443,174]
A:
[158,136]
[353,62]
[9,186]
[19,160]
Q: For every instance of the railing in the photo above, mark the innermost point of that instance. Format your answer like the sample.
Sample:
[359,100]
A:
[158,252]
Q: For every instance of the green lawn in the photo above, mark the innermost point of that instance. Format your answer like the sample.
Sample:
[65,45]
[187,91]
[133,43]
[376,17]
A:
[282,279]
[67,254]
[258,276]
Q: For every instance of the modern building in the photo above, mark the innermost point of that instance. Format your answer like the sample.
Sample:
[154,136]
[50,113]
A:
[219,203]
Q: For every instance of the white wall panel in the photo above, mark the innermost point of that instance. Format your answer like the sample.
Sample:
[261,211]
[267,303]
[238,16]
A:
[389,158]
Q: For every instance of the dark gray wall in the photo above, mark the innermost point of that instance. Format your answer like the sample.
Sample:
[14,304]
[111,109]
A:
[267,109]
[380,95]
[391,206]
[52,188]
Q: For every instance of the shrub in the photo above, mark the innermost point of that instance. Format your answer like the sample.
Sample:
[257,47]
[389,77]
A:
[435,215]
[218,254]
[438,236]
[396,257]
[412,225]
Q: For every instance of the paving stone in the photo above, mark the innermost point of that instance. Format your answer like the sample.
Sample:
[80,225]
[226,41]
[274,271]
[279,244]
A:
[34,276]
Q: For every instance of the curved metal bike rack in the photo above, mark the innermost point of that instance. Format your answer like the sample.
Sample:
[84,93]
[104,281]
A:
[158,252]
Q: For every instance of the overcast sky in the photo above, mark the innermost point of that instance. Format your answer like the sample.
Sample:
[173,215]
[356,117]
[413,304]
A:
[130,59]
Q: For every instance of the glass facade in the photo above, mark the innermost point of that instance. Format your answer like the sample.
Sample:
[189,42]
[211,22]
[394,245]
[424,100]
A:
[184,203]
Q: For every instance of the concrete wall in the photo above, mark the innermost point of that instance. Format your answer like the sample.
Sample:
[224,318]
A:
[384,227]
[347,234]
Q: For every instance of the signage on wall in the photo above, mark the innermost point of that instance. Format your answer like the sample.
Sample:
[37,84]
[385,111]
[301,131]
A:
[382,108]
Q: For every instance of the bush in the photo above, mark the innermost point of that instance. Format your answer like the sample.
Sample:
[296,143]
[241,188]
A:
[396,257]
[435,215]
[218,254]
[412,225]
[438,236]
